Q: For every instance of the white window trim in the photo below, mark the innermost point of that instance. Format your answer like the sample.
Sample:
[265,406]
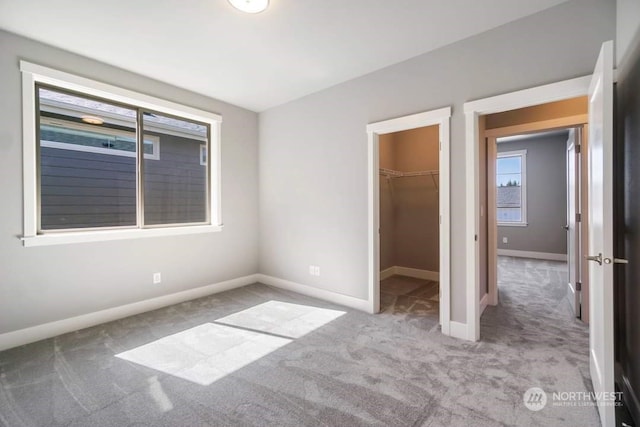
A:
[523,188]
[33,74]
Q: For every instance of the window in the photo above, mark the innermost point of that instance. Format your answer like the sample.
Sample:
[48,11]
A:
[511,194]
[93,163]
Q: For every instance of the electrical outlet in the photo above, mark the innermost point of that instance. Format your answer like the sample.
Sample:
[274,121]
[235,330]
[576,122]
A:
[316,271]
[312,270]
[157,278]
[505,240]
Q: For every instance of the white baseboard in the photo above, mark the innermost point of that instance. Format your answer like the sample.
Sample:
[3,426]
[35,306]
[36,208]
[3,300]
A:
[334,297]
[410,272]
[52,329]
[535,255]
[386,273]
[459,330]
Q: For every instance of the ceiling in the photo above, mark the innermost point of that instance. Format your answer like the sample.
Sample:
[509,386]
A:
[295,48]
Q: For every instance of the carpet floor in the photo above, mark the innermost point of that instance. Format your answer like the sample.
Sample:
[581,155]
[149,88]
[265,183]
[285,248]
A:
[259,356]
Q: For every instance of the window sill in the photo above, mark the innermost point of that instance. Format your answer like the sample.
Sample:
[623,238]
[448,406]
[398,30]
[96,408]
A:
[63,238]
[513,224]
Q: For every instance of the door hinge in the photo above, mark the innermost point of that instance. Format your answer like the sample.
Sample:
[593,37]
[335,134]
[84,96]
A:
[440,145]
[578,148]
[578,217]
[578,286]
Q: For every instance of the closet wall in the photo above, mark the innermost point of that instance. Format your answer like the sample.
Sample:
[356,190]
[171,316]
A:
[409,222]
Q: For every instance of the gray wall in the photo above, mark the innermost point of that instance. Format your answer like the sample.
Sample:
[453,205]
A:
[627,28]
[546,196]
[313,151]
[43,284]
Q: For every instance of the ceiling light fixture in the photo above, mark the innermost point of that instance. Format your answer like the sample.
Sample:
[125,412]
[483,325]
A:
[250,6]
[93,120]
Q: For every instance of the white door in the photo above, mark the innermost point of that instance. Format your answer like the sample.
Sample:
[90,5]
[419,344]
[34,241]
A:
[600,182]
[573,244]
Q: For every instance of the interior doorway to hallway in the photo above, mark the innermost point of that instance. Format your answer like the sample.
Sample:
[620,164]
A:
[534,198]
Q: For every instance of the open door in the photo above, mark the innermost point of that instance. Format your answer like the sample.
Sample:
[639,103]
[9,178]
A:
[600,183]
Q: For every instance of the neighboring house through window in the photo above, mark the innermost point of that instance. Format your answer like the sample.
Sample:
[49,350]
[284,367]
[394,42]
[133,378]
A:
[93,162]
[511,192]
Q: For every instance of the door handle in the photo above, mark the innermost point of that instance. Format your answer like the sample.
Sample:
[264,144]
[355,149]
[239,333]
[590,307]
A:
[596,258]
[566,227]
[616,261]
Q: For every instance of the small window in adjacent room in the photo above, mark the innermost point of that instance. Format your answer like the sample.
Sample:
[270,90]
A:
[511,193]
[93,165]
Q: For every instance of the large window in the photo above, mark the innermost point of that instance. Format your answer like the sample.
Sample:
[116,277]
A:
[106,163]
[511,194]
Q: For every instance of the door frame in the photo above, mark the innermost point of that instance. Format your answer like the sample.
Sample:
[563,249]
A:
[492,135]
[559,91]
[440,117]
[574,175]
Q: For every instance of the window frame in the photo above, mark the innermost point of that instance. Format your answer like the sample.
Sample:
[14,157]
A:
[523,187]
[34,75]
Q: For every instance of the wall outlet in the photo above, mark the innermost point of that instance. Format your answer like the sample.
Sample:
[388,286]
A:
[505,240]
[314,270]
[157,278]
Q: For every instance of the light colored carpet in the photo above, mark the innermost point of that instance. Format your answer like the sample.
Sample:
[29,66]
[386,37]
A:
[350,369]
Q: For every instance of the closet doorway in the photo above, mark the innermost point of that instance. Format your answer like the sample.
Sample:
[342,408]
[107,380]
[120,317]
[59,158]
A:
[409,216]
[409,219]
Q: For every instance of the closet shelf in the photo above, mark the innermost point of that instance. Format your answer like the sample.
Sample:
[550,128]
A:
[390,173]
[397,174]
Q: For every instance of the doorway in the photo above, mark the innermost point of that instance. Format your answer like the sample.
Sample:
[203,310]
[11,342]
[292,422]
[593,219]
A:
[475,162]
[409,222]
[537,208]
[599,89]
[413,178]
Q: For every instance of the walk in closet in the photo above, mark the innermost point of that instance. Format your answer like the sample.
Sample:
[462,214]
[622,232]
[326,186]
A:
[409,221]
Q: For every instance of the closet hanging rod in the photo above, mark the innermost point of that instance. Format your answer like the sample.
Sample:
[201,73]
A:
[397,174]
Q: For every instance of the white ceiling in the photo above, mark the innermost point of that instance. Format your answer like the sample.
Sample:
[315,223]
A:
[295,48]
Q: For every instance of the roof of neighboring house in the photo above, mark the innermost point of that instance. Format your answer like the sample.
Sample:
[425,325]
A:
[126,113]
[509,196]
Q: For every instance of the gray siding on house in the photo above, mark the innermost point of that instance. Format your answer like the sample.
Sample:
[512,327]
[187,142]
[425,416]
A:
[546,196]
[82,189]
[509,196]
[175,186]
